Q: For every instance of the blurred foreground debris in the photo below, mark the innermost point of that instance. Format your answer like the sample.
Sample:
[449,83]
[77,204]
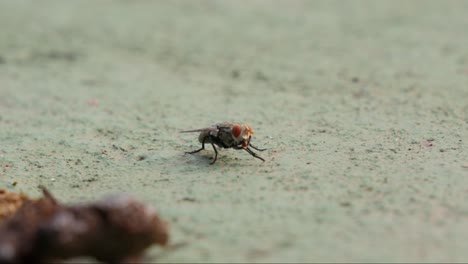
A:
[114,230]
[10,202]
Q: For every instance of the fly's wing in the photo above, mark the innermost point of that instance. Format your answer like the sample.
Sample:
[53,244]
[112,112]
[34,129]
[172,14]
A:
[195,130]
[205,133]
[210,130]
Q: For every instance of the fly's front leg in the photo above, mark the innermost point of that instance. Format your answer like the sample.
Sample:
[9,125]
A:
[250,144]
[253,154]
[198,150]
[259,149]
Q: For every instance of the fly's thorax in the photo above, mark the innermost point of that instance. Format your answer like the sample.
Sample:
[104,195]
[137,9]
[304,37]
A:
[225,137]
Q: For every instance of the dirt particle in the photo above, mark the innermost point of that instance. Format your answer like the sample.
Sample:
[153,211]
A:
[235,74]
[118,148]
[90,179]
[92,102]
[141,157]
[345,204]
[188,199]
[58,55]
[427,143]
[257,253]
[261,76]
[367,188]
[162,180]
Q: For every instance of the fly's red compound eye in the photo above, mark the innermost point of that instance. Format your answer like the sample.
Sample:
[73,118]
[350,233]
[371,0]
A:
[236,130]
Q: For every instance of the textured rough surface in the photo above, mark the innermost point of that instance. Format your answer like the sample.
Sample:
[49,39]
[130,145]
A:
[361,104]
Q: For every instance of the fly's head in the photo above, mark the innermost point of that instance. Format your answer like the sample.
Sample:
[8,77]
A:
[241,134]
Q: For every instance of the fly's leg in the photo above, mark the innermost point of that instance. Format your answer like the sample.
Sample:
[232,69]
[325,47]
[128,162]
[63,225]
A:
[203,147]
[253,154]
[249,151]
[198,150]
[250,144]
[216,154]
[259,149]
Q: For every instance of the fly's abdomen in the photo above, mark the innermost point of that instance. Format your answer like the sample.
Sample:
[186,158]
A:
[204,136]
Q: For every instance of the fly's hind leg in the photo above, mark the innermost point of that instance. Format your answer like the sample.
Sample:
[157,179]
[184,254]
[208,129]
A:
[198,150]
[203,147]
[216,152]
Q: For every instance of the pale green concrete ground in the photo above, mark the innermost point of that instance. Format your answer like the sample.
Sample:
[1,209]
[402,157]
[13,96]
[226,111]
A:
[344,94]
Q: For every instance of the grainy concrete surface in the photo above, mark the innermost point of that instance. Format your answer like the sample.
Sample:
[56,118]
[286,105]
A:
[363,106]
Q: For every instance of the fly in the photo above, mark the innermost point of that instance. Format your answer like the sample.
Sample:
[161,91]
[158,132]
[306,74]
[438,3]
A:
[226,135]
